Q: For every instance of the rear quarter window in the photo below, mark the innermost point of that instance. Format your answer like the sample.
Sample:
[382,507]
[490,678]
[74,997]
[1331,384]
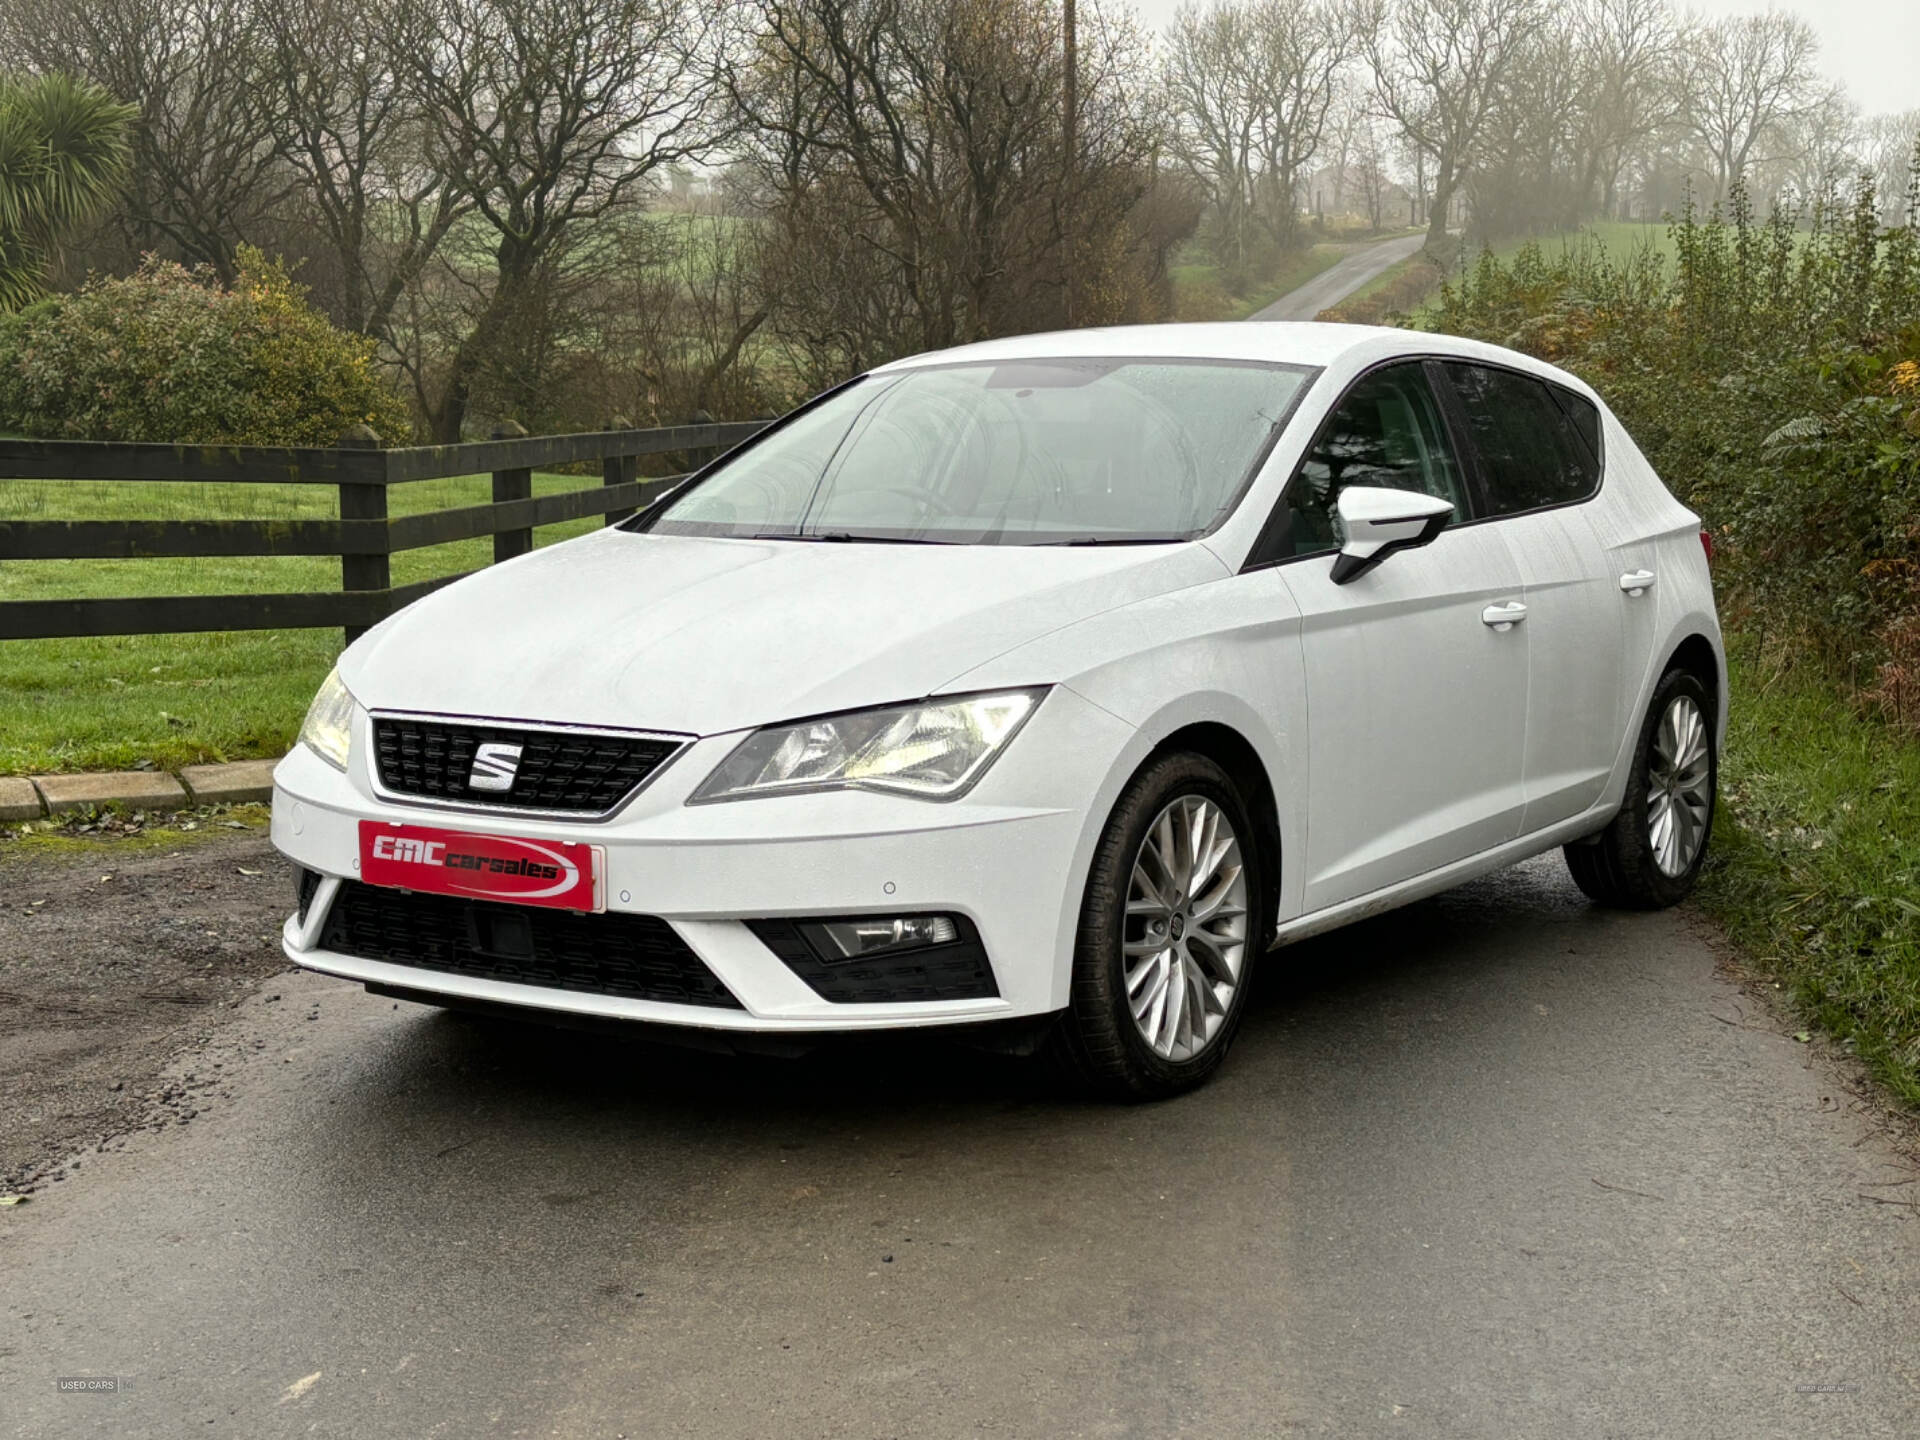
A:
[1584,416]
[1531,449]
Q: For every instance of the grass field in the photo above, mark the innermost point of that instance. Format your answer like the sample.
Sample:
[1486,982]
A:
[108,703]
[1816,863]
[1620,238]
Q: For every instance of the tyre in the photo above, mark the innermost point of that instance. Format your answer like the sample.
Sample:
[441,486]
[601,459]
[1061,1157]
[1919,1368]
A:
[1649,856]
[1172,916]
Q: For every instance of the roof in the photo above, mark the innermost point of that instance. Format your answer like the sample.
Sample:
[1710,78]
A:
[1295,342]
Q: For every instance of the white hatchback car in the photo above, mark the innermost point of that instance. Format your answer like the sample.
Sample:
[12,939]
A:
[1048,679]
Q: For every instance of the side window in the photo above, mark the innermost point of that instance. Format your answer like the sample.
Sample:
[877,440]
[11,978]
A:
[1388,432]
[1531,452]
[1585,418]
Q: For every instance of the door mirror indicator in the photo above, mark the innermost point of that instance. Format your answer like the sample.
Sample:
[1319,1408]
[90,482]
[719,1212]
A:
[1375,522]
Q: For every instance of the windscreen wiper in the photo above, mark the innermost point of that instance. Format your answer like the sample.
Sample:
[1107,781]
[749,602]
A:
[847,537]
[1119,540]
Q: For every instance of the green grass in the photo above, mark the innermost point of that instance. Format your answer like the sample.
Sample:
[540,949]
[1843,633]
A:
[61,838]
[101,704]
[1815,872]
[1619,238]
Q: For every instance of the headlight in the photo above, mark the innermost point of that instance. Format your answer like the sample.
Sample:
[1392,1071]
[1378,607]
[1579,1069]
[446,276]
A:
[328,728]
[934,751]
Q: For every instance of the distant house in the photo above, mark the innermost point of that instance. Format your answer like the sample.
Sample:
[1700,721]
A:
[1329,193]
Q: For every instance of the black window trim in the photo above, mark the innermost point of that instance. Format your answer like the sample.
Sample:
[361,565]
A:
[644,519]
[1464,455]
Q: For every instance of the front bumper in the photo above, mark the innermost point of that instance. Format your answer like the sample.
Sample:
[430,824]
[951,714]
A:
[1010,856]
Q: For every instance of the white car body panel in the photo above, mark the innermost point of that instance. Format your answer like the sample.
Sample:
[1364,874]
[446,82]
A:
[715,635]
[1575,706]
[1408,744]
[1417,710]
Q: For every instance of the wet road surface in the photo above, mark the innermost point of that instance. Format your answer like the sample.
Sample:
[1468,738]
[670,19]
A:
[1498,1165]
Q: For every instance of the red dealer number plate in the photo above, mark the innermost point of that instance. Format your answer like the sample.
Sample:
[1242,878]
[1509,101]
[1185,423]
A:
[556,873]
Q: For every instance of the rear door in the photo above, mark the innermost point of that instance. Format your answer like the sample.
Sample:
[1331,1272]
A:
[1537,471]
[1416,699]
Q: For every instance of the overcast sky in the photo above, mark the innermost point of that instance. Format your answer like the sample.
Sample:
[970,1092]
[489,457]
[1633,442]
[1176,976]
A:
[1871,45]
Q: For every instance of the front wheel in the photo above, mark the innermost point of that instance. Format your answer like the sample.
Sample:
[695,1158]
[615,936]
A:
[1651,854]
[1168,928]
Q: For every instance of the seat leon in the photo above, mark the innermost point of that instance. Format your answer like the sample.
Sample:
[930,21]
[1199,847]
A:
[1050,680]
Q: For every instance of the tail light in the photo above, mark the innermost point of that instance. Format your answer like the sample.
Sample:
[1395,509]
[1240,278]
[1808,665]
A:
[1706,543]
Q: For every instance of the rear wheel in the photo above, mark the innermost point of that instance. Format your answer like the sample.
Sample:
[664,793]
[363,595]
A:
[1168,928]
[1650,855]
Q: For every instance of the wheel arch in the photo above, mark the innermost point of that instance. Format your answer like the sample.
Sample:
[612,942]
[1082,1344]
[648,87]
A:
[1235,754]
[1697,656]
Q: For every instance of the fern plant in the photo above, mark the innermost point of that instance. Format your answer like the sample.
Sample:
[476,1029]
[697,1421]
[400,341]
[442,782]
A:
[63,152]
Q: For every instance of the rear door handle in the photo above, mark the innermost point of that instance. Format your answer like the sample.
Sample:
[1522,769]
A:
[1504,617]
[1637,582]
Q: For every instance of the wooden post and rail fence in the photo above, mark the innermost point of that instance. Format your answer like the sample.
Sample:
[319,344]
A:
[364,536]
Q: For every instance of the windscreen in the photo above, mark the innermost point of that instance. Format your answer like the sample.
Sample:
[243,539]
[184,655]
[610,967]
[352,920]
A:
[1027,452]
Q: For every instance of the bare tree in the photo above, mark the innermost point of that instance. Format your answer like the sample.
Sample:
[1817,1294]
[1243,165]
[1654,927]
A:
[1439,67]
[1629,45]
[550,116]
[1217,102]
[1889,144]
[1252,85]
[357,138]
[1743,77]
[1821,146]
[1304,47]
[207,171]
[910,154]
[1524,173]
[1352,113]
[1367,173]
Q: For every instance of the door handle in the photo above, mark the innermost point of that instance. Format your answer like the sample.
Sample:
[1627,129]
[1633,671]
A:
[1504,617]
[1637,582]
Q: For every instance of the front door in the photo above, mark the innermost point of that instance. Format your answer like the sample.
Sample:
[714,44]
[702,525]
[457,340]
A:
[1416,672]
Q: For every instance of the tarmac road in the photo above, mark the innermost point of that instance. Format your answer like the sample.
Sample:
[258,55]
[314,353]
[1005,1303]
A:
[1500,1165]
[1341,279]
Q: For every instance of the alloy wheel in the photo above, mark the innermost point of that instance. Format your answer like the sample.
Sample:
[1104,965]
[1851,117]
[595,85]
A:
[1185,939]
[1679,787]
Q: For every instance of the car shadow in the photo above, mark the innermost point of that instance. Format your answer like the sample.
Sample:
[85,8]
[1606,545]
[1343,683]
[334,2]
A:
[1392,958]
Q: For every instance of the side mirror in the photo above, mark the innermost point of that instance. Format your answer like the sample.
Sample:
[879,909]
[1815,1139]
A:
[1376,522]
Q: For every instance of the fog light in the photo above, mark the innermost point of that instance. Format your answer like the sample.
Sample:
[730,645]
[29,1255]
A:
[856,939]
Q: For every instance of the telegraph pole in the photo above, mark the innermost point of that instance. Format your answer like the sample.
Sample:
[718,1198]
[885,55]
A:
[1070,128]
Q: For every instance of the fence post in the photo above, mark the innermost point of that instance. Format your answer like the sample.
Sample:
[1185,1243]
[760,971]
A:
[617,470]
[511,485]
[691,460]
[364,502]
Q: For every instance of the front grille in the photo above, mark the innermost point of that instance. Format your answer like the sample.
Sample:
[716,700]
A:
[637,957]
[578,772]
[956,971]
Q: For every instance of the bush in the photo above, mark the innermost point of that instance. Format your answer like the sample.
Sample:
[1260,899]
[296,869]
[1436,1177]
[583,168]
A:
[1203,299]
[1769,372]
[168,354]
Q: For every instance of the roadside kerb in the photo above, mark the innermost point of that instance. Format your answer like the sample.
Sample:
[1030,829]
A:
[140,788]
[240,782]
[243,782]
[19,800]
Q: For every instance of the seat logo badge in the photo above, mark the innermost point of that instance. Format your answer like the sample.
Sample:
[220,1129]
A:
[494,766]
